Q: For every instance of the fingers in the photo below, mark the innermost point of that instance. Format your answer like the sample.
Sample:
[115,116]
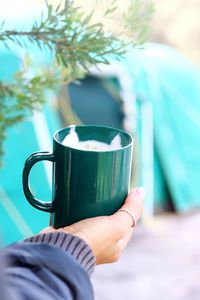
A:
[132,206]
[134,203]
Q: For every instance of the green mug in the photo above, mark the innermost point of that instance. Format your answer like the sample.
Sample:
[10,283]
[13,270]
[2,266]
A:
[85,183]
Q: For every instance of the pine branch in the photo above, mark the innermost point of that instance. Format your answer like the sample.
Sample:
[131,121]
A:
[76,43]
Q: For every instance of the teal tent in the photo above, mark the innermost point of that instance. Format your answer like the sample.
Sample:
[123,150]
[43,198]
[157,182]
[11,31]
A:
[18,218]
[170,85]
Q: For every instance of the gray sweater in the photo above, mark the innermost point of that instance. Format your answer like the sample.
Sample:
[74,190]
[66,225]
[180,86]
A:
[71,244]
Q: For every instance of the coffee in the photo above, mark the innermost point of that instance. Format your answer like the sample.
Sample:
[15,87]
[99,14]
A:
[72,140]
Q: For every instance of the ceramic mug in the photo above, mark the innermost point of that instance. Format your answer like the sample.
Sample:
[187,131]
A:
[85,183]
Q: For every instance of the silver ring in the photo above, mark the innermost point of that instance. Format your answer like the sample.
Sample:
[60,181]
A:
[130,214]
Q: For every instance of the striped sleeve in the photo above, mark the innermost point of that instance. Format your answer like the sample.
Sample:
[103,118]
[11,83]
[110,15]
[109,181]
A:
[69,243]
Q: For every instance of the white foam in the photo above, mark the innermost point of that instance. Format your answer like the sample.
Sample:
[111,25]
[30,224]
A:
[72,140]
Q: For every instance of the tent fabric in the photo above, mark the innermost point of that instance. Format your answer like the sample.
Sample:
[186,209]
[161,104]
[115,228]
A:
[94,104]
[18,218]
[167,80]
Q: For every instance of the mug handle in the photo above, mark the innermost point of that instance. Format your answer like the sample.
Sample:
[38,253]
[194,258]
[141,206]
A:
[31,160]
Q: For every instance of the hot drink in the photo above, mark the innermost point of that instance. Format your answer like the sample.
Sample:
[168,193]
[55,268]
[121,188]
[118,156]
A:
[72,140]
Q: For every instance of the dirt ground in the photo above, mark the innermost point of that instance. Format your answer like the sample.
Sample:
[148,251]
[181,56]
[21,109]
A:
[162,262]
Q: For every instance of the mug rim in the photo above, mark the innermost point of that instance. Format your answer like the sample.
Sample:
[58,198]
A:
[97,126]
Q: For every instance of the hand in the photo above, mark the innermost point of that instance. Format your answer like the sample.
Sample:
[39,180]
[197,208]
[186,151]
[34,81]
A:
[108,235]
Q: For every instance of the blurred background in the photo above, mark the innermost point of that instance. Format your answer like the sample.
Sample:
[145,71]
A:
[154,93]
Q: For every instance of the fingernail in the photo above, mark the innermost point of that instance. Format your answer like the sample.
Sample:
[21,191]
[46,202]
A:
[139,191]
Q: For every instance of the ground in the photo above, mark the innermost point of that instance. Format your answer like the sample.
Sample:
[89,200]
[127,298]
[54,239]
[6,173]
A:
[161,262]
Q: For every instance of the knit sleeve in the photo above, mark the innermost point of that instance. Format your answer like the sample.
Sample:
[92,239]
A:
[69,243]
